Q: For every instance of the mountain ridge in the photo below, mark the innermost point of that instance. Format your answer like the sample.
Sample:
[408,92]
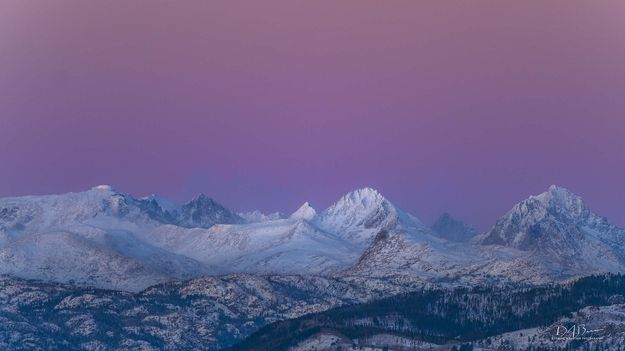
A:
[362,234]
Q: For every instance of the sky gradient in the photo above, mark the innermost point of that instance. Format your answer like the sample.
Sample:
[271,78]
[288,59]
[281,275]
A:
[466,107]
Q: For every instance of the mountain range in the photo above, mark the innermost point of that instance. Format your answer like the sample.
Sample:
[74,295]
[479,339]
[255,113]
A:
[199,275]
[109,239]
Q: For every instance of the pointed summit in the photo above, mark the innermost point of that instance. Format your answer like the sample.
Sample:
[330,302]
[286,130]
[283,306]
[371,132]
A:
[205,212]
[202,198]
[360,214]
[556,201]
[163,203]
[560,234]
[364,196]
[560,200]
[305,212]
[555,216]
[364,199]
[558,195]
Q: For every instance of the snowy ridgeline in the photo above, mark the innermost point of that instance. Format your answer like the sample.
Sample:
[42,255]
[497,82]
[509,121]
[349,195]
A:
[248,270]
[107,239]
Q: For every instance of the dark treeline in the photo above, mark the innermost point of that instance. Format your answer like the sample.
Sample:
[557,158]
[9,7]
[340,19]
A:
[440,316]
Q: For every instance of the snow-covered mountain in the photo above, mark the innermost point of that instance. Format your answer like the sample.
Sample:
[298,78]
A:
[360,215]
[305,212]
[394,242]
[200,212]
[108,239]
[105,238]
[452,229]
[557,233]
[554,217]
[280,246]
[545,238]
[88,238]
[426,257]
[204,212]
[255,268]
[158,208]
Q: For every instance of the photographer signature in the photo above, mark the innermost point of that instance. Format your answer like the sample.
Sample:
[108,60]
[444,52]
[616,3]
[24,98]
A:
[576,332]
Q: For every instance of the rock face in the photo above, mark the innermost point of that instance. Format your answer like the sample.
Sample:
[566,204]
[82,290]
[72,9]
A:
[204,212]
[553,216]
[452,229]
[559,230]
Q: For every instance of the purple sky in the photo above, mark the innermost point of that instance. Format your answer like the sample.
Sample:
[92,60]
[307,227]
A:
[465,107]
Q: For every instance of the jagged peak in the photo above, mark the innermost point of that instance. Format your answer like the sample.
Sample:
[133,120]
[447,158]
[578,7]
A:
[204,212]
[557,188]
[202,198]
[164,203]
[550,217]
[367,208]
[364,197]
[556,192]
[557,199]
[363,200]
[365,192]
[305,212]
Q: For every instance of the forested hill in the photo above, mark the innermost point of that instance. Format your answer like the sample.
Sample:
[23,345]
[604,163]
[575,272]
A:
[440,316]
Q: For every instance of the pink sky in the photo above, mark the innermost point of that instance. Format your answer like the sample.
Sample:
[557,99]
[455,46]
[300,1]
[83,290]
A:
[463,106]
